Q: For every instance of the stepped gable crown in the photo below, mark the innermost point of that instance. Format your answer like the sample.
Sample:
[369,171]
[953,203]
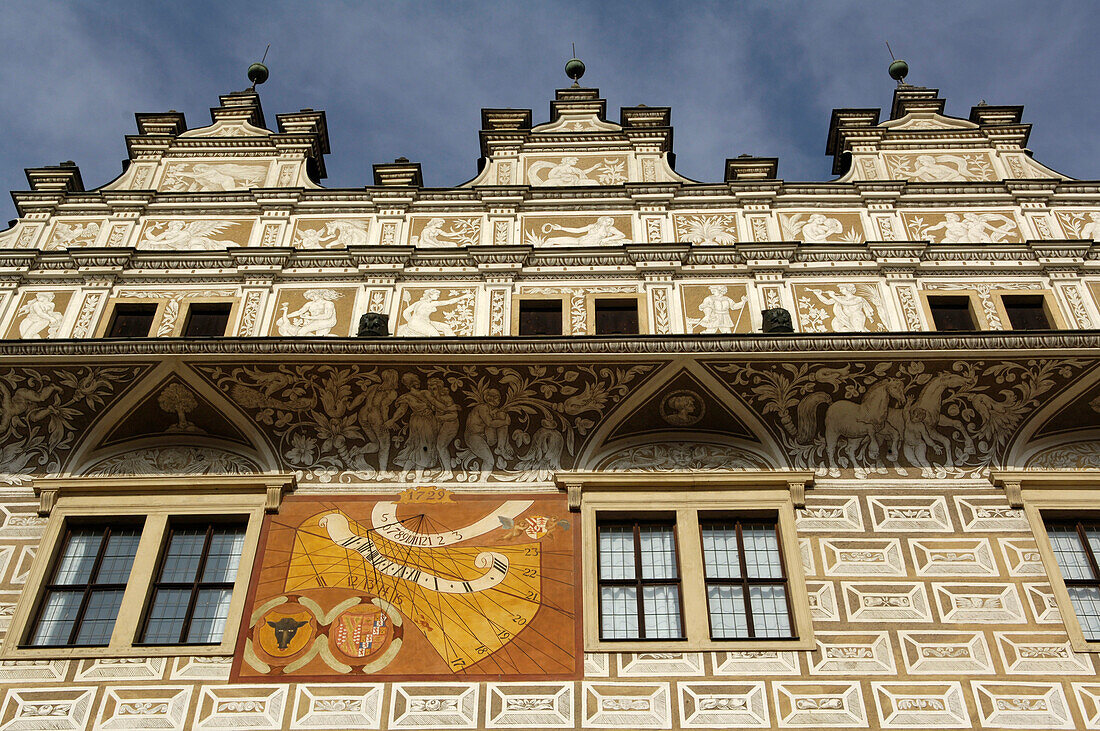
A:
[920,144]
[235,152]
[578,146]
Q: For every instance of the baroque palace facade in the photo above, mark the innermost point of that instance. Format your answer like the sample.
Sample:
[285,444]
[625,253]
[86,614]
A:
[579,485]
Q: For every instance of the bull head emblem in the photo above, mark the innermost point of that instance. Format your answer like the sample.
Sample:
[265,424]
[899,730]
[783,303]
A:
[285,629]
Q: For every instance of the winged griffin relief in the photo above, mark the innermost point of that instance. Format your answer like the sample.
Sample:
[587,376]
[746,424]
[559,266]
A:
[932,418]
[73,233]
[465,424]
[193,177]
[181,235]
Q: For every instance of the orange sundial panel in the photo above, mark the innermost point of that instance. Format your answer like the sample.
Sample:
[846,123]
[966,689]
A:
[421,584]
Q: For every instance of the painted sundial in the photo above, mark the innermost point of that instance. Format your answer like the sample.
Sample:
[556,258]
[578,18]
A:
[426,583]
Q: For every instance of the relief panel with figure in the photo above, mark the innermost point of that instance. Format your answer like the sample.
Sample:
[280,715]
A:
[313,312]
[40,315]
[845,307]
[194,177]
[715,308]
[952,167]
[1080,224]
[424,583]
[74,233]
[970,227]
[428,312]
[441,231]
[813,227]
[330,233]
[194,235]
[577,230]
[572,170]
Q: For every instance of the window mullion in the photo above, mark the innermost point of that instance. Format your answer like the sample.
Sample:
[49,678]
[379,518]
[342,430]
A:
[640,601]
[1083,537]
[190,615]
[744,579]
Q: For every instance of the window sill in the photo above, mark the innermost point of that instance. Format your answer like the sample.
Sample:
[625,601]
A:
[68,653]
[707,645]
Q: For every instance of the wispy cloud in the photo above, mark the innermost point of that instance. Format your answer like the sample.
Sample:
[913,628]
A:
[410,78]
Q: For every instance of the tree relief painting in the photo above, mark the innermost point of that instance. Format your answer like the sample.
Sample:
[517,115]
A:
[196,177]
[931,419]
[194,235]
[844,307]
[970,227]
[571,170]
[313,312]
[936,167]
[577,230]
[40,315]
[821,228]
[414,423]
[424,583]
[706,229]
[330,233]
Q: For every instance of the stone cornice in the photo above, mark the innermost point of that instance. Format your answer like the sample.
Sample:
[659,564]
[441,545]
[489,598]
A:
[844,347]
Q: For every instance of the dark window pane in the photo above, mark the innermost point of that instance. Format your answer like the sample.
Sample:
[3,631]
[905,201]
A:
[1026,311]
[540,317]
[616,317]
[951,313]
[225,555]
[207,319]
[166,616]
[208,621]
[131,321]
[118,557]
[181,561]
[99,617]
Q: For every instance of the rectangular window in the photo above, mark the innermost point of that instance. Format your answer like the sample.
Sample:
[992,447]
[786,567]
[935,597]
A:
[951,312]
[746,584]
[207,319]
[132,320]
[1076,546]
[1026,311]
[616,316]
[82,598]
[540,317]
[194,585]
[639,581]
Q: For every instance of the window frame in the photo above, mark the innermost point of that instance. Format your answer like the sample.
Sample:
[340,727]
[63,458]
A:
[1055,321]
[151,502]
[976,315]
[691,498]
[639,581]
[1053,495]
[590,312]
[222,301]
[111,313]
[519,299]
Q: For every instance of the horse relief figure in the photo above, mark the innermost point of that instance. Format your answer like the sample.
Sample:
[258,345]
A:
[915,427]
[859,423]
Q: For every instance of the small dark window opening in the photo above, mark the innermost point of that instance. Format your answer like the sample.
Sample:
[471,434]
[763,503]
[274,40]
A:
[951,312]
[131,321]
[207,319]
[1026,311]
[540,317]
[616,317]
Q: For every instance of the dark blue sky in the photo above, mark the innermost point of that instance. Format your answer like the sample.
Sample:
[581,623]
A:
[410,78]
